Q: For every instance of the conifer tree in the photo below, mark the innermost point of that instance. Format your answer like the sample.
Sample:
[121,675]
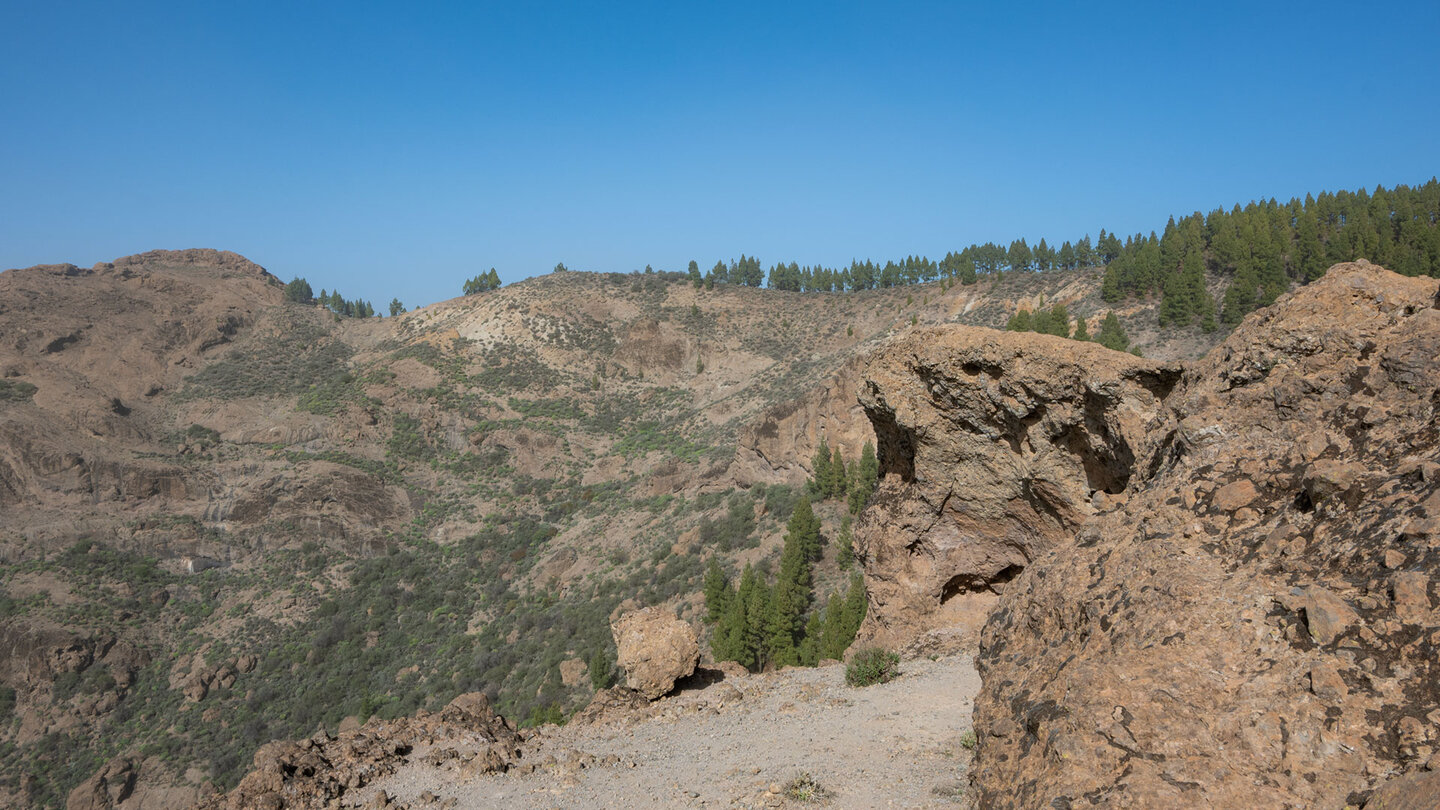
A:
[1082,330]
[757,608]
[820,477]
[1112,334]
[845,545]
[717,592]
[810,644]
[867,475]
[838,475]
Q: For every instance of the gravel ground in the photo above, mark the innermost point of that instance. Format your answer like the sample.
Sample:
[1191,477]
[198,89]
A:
[892,745]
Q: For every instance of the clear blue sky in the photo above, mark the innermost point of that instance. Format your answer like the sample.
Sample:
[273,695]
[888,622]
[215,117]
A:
[396,149]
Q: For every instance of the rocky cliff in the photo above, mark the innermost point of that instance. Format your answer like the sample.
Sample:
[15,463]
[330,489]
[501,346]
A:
[1220,585]
[993,447]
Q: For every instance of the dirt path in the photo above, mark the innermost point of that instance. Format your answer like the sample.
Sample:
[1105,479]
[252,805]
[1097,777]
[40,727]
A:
[892,745]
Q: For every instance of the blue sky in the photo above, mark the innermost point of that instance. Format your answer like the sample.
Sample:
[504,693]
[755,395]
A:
[396,149]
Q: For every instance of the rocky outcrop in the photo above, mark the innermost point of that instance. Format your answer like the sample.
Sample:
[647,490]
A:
[106,789]
[317,772]
[655,649]
[777,447]
[993,447]
[1250,620]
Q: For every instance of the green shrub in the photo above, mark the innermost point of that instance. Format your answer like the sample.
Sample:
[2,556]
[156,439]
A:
[872,665]
[16,391]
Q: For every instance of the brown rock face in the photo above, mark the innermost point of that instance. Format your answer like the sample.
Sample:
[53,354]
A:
[779,445]
[993,447]
[110,786]
[1231,636]
[655,649]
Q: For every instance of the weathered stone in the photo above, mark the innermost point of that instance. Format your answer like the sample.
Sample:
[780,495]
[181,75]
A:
[1235,495]
[1326,682]
[106,789]
[1413,791]
[655,649]
[993,447]
[1326,614]
[1412,597]
[1141,658]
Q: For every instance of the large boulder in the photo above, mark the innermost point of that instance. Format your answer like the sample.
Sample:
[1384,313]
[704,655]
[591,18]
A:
[655,649]
[993,447]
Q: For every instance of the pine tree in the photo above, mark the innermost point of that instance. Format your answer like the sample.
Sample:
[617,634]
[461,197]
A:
[810,644]
[1020,322]
[695,278]
[821,475]
[838,476]
[755,648]
[298,291]
[867,475]
[855,606]
[1112,334]
[845,545]
[1082,330]
[717,592]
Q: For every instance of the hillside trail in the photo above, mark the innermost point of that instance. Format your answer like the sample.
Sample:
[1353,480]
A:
[741,742]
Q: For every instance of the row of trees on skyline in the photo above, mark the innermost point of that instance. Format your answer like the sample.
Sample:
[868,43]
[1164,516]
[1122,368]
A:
[1256,252]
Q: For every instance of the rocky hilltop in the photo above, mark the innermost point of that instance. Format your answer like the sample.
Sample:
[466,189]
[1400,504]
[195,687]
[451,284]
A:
[1211,587]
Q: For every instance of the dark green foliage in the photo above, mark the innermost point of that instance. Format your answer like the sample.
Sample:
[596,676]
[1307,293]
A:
[872,665]
[299,292]
[1082,330]
[602,669]
[202,437]
[779,499]
[343,307]
[845,544]
[485,282]
[540,715]
[759,625]
[409,440]
[1266,247]
[733,530]
[717,592]
[396,308]
[1112,334]
[864,476]
[1053,321]
[7,705]
[15,391]
[821,477]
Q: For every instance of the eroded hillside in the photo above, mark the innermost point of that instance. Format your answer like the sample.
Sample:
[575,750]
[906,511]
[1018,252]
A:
[228,518]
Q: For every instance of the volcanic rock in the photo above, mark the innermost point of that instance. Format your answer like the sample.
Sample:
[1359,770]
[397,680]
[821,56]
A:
[655,649]
[993,447]
[1153,646]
